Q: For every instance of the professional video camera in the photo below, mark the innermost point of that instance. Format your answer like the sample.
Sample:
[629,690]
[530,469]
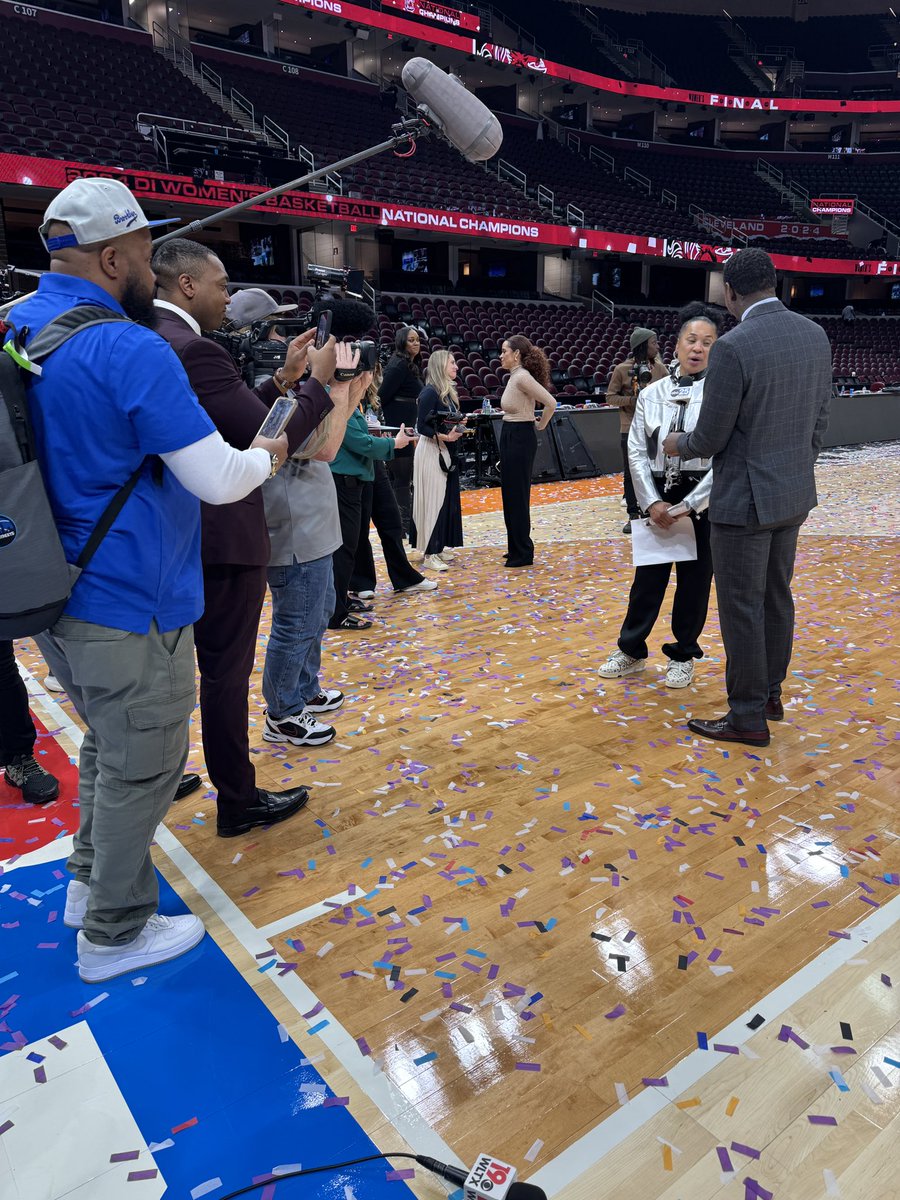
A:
[258,356]
[641,372]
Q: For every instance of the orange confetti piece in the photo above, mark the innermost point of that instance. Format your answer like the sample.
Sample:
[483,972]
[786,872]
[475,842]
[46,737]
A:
[731,1106]
[547,1021]
[668,1164]
[692,1103]
[584,1033]
[185,1125]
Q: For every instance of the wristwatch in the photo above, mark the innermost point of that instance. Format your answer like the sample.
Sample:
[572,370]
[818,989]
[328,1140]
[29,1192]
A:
[275,466]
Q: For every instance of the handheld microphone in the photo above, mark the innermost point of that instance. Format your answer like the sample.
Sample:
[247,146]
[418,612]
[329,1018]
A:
[459,116]
[489,1179]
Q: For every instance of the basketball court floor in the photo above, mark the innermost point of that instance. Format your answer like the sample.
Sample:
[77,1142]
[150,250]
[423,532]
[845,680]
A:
[525,911]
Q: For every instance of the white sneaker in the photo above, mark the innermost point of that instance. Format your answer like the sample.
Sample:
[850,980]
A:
[447,555]
[619,664]
[679,674]
[303,730]
[76,903]
[52,684]
[433,563]
[426,585]
[366,595]
[327,700]
[161,939]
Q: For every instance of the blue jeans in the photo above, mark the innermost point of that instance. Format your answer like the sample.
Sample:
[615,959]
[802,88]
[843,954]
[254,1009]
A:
[302,604]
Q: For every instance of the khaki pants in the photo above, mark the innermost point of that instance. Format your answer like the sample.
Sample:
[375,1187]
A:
[135,693]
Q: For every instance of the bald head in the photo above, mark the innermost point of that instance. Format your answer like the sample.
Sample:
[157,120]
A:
[120,265]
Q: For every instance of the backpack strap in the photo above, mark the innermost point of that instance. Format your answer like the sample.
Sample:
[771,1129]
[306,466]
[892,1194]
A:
[51,337]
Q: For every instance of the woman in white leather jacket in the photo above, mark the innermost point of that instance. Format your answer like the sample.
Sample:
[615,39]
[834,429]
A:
[668,490]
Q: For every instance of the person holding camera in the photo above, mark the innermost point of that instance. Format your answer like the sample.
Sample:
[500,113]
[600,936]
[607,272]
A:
[398,393]
[354,473]
[192,297]
[529,379]
[670,489]
[437,508]
[643,367]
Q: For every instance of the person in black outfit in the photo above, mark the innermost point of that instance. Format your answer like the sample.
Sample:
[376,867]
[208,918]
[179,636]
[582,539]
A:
[17,736]
[398,393]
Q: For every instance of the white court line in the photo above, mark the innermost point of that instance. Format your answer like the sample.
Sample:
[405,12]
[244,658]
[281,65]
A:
[304,915]
[374,1083]
[587,1152]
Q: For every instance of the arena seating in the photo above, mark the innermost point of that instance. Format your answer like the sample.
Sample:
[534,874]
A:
[821,43]
[53,105]
[584,346]
[875,183]
[350,117]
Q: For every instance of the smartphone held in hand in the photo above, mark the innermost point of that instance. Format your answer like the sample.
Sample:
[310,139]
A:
[279,414]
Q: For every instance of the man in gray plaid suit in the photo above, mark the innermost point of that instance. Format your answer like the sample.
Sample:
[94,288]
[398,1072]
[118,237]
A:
[765,409]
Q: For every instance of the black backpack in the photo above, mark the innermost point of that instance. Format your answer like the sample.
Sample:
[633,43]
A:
[36,581]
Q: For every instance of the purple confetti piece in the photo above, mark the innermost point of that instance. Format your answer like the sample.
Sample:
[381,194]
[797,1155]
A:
[614,1014]
[125,1156]
[725,1159]
[814,1120]
[747,1151]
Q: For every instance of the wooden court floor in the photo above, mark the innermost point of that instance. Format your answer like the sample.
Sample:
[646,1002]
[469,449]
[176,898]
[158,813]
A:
[530,896]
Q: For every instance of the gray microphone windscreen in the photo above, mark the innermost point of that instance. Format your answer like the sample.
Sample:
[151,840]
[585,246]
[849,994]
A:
[464,121]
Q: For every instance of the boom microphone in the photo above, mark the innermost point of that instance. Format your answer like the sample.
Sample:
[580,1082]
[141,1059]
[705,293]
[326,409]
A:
[459,116]
[349,318]
[489,1179]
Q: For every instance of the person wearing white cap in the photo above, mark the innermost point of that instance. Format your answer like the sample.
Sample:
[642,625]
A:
[113,402]
[253,304]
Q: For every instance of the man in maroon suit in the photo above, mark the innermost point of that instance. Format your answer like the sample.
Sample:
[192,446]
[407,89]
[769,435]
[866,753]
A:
[192,291]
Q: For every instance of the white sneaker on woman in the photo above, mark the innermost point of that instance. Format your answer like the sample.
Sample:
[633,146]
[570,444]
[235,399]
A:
[447,554]
[679,674]
[424,585]
[619,663]
[161,939]
[433,562]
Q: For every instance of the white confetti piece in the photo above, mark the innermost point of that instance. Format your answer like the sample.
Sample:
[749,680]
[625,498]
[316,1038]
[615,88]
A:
[166,1145]
[831,1183]
[203,1189]
[324,950]
[287,1168]
[531,1155]
[621,1093]
[283,1034]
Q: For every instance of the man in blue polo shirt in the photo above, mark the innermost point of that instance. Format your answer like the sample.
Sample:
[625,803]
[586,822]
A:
[112,399]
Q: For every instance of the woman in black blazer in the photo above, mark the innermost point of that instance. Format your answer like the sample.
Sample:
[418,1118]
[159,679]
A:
[398,394]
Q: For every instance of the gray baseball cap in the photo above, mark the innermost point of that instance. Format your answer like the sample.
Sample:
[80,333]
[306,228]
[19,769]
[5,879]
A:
[96,210]
[254,304]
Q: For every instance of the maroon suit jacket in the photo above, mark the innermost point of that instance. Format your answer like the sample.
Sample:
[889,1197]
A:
[236,533]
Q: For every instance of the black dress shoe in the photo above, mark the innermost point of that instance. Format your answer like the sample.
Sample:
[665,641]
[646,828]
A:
[269,809]
[515,565]
[774,710]
[721,731]
[189,783]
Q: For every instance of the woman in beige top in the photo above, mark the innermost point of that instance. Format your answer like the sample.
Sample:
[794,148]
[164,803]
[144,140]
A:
[527,385]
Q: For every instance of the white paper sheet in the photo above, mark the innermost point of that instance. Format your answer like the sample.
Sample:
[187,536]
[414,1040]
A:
[650,544]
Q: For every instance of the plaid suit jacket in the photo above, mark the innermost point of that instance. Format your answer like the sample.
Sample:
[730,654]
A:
[765,411]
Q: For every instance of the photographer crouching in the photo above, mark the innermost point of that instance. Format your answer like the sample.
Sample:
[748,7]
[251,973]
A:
[192,296]
[645,366]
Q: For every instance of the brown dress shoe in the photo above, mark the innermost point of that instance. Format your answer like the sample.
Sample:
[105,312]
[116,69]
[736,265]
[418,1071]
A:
[721,731]
[774,710]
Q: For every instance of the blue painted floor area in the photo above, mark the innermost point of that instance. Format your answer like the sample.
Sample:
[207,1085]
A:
[193,1041]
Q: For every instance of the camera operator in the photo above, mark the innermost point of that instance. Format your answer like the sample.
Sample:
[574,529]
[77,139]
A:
[192,291]
[645,366]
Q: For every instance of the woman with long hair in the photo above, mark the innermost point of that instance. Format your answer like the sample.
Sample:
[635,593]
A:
[388,524]
[399,391]
[668,490]
[437,510]
[529,379]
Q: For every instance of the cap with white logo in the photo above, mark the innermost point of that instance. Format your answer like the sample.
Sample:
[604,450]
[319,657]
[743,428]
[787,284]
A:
[96,210]
[253,304]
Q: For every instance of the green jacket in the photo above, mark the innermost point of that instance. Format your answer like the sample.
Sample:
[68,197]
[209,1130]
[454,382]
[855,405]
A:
[359,450]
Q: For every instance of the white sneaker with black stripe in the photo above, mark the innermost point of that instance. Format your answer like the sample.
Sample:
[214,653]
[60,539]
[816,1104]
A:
[302,730]
[679,674]
[327,701]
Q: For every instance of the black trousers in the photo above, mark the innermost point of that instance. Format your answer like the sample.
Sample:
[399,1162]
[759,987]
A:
[400,472]
[518,445]
[631,503]
[689,608]
[350,496]
[225,639]
[384,514]
[17,734]
[754,566]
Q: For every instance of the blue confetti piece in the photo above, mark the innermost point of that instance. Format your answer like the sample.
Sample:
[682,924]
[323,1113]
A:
[425,1058]
[891,1062]
[845,872]
[840,1081]
[702,1041]
[317,1028]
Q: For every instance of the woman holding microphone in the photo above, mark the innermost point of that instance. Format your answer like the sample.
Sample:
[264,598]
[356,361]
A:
[437,509]
[529,378]
[669,490]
